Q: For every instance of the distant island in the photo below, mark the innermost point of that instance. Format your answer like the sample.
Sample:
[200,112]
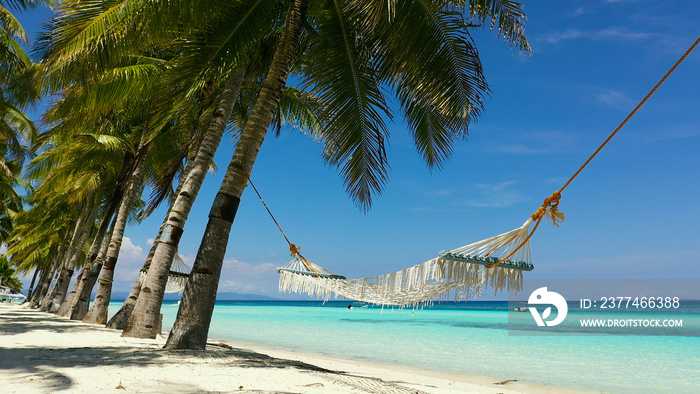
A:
[222,296]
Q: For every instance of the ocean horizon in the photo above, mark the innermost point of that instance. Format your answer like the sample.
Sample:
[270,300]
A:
[469,339]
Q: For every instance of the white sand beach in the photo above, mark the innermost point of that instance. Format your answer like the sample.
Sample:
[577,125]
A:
[40,352]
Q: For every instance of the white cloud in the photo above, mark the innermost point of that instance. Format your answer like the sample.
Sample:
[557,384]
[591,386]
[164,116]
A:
[578,12]
[517,150]
[443,192]
[608,34]
[494,195]
[619,33]
[535,142]
[131,259]
[670,133]
[568,34]
[241,277]
[131,250]
[615,99]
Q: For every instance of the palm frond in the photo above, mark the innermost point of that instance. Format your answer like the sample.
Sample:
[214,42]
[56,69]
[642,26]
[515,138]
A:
[506,17]
[354,106]
[437,75]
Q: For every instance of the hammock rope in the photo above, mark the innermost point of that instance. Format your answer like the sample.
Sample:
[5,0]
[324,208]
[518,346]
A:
[550,205]
[458,269]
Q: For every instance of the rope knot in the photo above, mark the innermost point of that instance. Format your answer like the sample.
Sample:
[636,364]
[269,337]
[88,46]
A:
[550,209]
[245,175]
[294,249]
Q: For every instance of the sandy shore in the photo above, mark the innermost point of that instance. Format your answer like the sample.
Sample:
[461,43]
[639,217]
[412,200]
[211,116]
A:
[40,352]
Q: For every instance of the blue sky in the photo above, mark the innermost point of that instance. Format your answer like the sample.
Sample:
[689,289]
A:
[632,213]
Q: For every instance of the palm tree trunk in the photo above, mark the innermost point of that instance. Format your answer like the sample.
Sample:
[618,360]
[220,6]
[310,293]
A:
[143,322]
[88,281]
[43,286]
[94,259]
[44,304]
[31,285]
[118,321]
[98,312]
[194,316]
[63,304]
[43,278]
[56,266]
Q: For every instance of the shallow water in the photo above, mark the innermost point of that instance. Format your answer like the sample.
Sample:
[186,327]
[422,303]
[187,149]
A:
[468,339]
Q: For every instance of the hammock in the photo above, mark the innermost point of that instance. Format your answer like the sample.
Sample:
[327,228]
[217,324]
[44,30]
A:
[467,270]
[464,270]
[177,278]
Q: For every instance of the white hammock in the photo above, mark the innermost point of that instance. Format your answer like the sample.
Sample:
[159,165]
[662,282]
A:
[462,270]
[177,278]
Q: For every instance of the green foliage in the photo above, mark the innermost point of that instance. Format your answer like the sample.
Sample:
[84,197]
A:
[8,276]
[358,52]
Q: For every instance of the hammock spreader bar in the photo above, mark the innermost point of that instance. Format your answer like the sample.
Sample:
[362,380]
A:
[467,258]
[301,266]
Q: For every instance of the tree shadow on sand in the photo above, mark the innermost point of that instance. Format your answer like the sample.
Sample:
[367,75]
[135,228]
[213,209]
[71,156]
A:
[38,363]
[47,366]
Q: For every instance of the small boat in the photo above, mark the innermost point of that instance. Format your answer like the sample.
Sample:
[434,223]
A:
[358,305]
[522,308]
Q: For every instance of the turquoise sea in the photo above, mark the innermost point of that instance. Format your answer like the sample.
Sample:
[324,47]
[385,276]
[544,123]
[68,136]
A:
[467,339]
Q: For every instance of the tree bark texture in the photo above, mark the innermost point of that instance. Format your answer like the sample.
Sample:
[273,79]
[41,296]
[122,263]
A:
[98,312]
[60,303]
[118,321]
[145,318]
[194,316]
[40,287]
[96,256]
[31,285]
[49,289]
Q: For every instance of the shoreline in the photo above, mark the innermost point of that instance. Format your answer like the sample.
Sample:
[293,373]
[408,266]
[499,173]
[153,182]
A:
[41,352]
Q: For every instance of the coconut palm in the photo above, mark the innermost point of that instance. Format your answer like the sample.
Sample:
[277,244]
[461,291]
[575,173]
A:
[142,321]
[8,276]
[14,124]
[356,52]
[98,71]
[38,239]
[192,324]
[78,306]
[206,53]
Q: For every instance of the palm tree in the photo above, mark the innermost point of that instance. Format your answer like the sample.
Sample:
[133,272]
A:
[193,318]
[8,276]
[357,49]
[14,124]
[98,71]
[78,306]
[80,235]
[217,45]
[82,30]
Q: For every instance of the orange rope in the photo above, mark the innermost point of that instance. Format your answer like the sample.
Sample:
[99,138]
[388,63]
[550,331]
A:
[293,249]
[550,204]
[633,112]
